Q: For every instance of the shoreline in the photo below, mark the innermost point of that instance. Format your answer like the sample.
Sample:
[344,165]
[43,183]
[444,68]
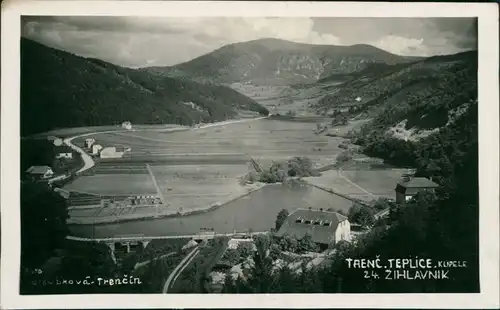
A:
[149,216]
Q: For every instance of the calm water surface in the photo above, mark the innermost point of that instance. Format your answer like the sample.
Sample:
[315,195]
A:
[256,211]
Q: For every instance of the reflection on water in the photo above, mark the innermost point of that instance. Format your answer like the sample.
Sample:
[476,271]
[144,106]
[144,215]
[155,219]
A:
[256,212]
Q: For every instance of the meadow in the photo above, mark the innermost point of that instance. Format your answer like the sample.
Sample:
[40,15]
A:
[113,184]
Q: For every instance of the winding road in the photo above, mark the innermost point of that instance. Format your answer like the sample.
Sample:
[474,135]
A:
[178,270]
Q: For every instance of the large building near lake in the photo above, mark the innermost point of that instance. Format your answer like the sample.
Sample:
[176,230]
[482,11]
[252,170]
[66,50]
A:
[407,189]
[324,227]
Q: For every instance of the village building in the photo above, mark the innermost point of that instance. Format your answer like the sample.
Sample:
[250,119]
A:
[63,151]
[324,227]
[89,142]
[127,125]
[113,151]
[40,172]
[55,140]
[109,152]
[405,190]
[96,148]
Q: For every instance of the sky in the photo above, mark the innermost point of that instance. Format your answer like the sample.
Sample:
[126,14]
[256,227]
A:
[164,41]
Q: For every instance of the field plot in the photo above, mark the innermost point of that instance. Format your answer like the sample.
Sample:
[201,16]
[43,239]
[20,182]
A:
[114,184]
[377,182]
[361,184]
[264,139]
[189,187]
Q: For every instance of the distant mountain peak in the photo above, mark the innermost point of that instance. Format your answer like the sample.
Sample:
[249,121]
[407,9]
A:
[278,61]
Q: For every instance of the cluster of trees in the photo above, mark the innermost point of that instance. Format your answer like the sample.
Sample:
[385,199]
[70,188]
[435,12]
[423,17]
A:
[295,167]
[61,90]
[242,252]
[362,215]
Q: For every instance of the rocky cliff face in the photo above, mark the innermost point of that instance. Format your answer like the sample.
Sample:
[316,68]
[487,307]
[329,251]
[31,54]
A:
[278,62]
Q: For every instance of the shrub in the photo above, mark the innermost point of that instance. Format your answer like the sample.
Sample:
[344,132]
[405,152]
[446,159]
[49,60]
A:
[300,167]
[276,173]
[344,157]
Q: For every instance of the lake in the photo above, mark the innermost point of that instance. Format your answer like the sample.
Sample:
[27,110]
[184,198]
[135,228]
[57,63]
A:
[256,211]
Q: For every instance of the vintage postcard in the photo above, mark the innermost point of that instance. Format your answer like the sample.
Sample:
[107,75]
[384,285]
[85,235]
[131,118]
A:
[246,154]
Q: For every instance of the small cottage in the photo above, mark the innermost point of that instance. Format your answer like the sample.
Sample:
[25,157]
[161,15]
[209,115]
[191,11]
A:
[324,227]
[40,172]
[63,151]
[127,125]
[55,140]
[96,148]
[89,142]
[406,189]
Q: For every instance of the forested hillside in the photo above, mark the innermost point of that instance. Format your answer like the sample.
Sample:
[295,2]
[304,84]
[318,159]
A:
[59,89]
[425,116]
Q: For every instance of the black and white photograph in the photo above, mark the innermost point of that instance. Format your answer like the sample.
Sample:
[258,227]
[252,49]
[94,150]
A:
[272,154]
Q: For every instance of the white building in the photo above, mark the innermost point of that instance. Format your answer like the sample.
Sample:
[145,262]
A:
[113,152]
[89,142]
[96,148]
[324,227]
[127,125]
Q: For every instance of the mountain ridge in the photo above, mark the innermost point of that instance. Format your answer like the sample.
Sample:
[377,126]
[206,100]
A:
[277,61]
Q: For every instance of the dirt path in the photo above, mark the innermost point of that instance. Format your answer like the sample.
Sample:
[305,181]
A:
[158,190]
[351,182]
[144,263]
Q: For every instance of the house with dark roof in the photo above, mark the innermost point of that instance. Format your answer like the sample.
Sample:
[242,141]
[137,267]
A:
[40,172]
[324,227]
[405,190]
[63,151]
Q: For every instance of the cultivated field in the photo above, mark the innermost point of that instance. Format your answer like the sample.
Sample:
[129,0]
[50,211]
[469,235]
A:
[114,184]
[266,140]
[361,184]
[281,99]
[189,187]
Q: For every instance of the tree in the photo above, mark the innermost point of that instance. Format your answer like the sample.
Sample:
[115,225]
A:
[261,275]
[306,244]
[288,243]
[362,215]
[232,256]
[43,223]
[278,172]
[245,249]
[300,167]
[280,219]
[366,217]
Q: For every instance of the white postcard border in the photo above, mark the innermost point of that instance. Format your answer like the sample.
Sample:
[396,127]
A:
[488,152]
